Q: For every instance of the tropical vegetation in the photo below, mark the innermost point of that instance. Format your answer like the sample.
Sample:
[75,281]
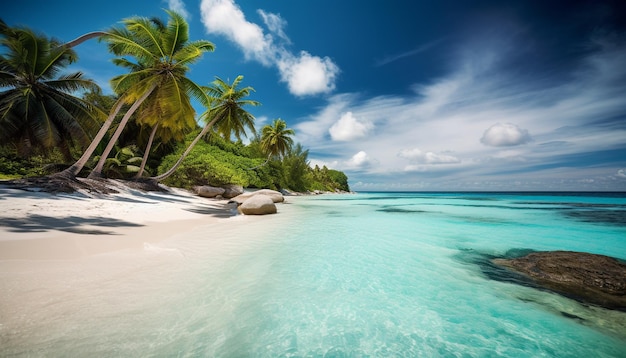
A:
[62,125]
[37,110]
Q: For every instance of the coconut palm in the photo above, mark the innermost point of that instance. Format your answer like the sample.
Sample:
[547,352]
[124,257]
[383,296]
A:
[226,112]
[38,108]
[163,53]
[276,139]
[165,136]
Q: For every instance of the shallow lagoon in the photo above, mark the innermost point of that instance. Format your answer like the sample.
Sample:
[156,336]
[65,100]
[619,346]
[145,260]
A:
[370,274]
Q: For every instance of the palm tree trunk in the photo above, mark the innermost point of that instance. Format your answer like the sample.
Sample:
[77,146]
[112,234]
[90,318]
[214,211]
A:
[258,166]
[73,170]
[97,171]
[187,151]
[84,38]
[146,153]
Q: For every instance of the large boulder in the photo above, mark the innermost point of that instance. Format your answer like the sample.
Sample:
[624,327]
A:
[589,278]
[258,205]
[276,196]
[231,191]
[207,191]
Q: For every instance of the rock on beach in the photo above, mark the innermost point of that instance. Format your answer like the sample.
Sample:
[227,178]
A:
[231,191]
[207,191]
[258,205]
[276,196]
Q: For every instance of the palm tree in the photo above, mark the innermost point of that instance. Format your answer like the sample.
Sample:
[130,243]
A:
[146,152]
[226,112]
[163,54]
[38,108]
[295,168]
[276,139]
[165,135]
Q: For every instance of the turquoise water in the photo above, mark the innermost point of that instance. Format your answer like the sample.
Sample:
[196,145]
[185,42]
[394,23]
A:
[363,275]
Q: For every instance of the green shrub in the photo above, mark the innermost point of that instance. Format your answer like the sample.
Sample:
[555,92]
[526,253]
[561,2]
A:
[210,165]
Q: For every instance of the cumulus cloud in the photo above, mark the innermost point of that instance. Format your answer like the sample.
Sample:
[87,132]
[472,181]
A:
[348,128]
[225,18]
[505,135]
[415,155]
[574,121]
[179,7]
[304,73]
[359,160]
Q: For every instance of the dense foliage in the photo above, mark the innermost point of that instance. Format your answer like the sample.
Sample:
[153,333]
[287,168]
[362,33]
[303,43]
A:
[148,127]
[219,162]
[37,109]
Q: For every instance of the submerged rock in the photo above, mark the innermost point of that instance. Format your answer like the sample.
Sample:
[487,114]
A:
[258,205]
[585,277]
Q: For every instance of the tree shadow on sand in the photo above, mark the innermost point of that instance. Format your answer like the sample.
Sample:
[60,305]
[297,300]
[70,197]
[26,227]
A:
[72,224]
[223,213]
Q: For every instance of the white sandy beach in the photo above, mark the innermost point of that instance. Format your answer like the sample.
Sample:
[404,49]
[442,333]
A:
[37,225]
[69,263]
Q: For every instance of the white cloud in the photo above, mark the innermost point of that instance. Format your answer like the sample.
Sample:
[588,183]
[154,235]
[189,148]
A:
[315,129]
[225,18]
[415,51]
[260,121]
[275,24]
[359,160]
[578,112]
[304,73]
[415,155]
[505,135]
[348,128]
[451,113]
[179,7]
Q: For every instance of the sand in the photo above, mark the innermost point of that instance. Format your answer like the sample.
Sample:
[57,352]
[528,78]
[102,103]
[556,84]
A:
[37,225]
[72,265]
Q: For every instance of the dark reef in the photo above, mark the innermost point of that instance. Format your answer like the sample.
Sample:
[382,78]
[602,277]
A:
[588,278]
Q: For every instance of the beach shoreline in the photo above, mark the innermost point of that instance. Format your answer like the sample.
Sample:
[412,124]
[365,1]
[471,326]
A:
[40,226]
[67,259]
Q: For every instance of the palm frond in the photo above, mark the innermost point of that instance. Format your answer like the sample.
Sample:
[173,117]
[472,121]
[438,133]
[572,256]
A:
[123,83]
[121,43]
[197,92]
[131,66]
[65,120]
[41,122]
[146,35]
[73,82]
[57,57]
[176,35]
[192,52]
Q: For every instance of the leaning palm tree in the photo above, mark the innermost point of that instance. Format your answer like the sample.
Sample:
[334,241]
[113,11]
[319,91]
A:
[226,112]
[276,140]
[165,136]
[38,109]
[163,53]
[151,115]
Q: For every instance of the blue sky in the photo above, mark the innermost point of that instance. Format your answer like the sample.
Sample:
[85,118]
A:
[408,95]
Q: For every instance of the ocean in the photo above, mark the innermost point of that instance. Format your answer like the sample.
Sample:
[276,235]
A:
[351,275]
